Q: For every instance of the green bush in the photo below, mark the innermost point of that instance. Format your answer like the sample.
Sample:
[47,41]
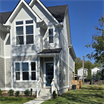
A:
[100,84]
[17,93]
[31,92]
[11,92]
[0,92]
[27,92]
[54,94]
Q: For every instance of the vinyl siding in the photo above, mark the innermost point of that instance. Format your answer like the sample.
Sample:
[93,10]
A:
[8,73]
[2,73]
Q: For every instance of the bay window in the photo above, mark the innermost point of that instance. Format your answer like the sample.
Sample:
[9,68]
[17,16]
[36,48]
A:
[24,32]
[25,71]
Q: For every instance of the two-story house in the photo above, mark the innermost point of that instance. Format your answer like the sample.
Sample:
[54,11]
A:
[35,48]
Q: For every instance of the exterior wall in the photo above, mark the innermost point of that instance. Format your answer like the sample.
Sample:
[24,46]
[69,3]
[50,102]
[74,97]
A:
[43,14]
[24,14]
[7,51]
[2,73]
[24,84]
[80,73]
[8,73]
[94,71]
[2,39]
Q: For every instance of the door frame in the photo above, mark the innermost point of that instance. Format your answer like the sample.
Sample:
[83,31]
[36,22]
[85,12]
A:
[45,72]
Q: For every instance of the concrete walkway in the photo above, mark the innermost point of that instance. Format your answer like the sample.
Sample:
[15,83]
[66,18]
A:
[37,101]
[44,95]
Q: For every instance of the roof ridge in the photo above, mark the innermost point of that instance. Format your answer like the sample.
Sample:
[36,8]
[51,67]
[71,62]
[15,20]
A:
[57,6]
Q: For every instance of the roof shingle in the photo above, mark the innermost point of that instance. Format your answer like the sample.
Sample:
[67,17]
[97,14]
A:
[57,11]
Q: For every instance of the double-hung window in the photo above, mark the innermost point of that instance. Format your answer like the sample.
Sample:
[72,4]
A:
[25,71]
[50,35]
[24,32]
[29,32]
[19,33]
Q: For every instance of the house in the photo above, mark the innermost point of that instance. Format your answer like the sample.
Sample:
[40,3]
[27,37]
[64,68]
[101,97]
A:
[95,70]
[35,48]
[80,73]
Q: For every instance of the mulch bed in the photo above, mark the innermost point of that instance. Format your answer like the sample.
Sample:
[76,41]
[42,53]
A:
[7,95]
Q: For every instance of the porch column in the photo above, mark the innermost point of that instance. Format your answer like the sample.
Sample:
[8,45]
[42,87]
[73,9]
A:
[54,67]
[38,68]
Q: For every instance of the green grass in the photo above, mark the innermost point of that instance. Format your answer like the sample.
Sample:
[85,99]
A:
[86,95]
[14,100]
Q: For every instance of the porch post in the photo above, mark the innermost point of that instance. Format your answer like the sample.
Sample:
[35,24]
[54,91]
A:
[54,67]
[38,70]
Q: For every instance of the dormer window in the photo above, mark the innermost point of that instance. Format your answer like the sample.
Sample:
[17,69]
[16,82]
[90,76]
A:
[24,32]
[50,35]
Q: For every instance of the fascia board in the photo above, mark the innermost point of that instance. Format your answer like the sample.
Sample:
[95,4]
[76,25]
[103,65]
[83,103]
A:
[20,4]
[4,28]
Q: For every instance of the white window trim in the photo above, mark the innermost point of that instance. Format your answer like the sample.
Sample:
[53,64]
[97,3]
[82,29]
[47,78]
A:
[51,35]
[29,63]
[24,30]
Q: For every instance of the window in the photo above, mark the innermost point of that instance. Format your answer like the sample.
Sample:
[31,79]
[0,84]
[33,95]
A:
[17,71]
[33,71]
[24,32]
[27,73]
[50,35]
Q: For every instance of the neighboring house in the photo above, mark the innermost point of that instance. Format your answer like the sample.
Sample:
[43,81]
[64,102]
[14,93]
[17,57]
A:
[95,70]
[35,48]
[80,73]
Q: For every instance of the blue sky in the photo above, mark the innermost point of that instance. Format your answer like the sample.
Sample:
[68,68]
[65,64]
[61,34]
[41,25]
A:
[83,15]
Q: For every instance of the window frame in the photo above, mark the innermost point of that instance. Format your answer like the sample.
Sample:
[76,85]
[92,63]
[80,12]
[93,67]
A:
[51,35]
[24,31]
[21,76]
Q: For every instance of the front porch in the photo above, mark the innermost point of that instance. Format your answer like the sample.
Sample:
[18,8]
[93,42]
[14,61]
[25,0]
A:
[48,73]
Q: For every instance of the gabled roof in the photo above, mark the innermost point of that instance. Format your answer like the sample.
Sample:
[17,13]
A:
[95,67]
[57,11]
[82,68]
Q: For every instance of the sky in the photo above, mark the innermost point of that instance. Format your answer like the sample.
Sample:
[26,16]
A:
[83,16]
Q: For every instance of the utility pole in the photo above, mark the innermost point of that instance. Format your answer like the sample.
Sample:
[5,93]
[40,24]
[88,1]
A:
[83,69]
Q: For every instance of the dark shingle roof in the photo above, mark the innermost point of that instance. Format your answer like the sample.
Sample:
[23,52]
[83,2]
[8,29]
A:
[57,11]
[57,50]
[4,16]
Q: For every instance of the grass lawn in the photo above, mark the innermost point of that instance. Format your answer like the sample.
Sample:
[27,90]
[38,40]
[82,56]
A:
[14,100]
[90,94]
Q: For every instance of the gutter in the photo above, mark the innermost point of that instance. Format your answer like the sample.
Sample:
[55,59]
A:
[4,28]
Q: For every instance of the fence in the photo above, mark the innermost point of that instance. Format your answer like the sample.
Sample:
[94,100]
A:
[78,83]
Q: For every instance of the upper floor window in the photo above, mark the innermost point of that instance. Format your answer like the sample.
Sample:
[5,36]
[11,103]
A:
[24,32]
[50,35]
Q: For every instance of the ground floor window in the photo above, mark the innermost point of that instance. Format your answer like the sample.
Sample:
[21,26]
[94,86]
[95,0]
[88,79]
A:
[24,71]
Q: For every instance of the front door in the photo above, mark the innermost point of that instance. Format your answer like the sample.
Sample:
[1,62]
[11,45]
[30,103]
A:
[49,73]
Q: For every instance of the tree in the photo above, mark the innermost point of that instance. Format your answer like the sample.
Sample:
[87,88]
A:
[87,64]
[98,43]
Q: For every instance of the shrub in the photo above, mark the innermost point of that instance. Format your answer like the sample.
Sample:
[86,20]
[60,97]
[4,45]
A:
[100,84]
[54,94]
[0,92]
[31,92]
[10,92]
[27,92]
[17,93]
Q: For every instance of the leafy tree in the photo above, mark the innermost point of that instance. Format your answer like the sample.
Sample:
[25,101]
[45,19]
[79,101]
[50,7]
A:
[98,43]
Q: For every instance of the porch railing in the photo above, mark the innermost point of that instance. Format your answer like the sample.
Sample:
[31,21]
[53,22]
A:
[39,85]
[53,86]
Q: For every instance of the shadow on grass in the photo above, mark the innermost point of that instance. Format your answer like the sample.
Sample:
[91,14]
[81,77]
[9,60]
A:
[92,88]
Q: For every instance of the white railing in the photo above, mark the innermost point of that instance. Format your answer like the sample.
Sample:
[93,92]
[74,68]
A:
[39,85]
[53,87]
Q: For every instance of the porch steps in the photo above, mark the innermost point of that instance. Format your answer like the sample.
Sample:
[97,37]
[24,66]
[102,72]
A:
[45,94]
